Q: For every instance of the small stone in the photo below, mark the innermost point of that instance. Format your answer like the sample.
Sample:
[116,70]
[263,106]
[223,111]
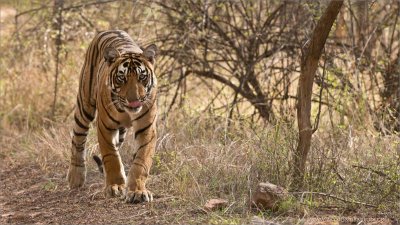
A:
[215,204]
[268,195]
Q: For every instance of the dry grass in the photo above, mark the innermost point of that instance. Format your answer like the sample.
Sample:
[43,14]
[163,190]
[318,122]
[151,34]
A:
[198,157]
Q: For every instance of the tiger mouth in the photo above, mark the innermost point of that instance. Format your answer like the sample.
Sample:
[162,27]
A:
[134,106]
[134,109]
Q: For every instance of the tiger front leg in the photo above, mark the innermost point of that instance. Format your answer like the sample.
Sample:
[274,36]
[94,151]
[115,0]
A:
[113,167]
[136,187]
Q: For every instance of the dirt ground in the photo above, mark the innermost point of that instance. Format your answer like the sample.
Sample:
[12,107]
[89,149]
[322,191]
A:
[33,190]
[31,194]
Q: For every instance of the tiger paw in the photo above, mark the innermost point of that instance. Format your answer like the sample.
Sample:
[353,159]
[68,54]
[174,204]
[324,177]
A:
[76,176]
[137,196]
[114,190]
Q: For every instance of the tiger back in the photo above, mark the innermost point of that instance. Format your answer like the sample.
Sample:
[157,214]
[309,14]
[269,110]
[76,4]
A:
[117,83]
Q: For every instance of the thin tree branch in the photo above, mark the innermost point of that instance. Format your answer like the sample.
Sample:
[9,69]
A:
[334,197]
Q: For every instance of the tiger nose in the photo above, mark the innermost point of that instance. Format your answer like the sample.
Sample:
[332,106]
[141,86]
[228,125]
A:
[132,94]
[132,98]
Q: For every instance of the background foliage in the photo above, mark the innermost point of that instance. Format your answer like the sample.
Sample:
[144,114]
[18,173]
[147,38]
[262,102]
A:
[228,73]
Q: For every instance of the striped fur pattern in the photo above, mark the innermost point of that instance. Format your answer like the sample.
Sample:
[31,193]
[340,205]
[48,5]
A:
[118,84]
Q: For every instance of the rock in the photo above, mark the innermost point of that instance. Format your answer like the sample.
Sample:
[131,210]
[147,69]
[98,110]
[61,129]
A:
[268,195]
[215,204]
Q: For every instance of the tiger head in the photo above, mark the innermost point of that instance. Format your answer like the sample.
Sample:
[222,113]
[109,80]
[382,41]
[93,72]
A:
[131,78]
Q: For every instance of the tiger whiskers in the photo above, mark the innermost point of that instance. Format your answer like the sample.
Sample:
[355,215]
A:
[108,106]
[147,103]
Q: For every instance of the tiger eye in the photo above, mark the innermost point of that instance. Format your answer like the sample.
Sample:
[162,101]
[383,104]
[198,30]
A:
[125,64]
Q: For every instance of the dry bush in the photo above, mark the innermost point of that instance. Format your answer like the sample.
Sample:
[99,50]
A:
[203,159]
[198,155]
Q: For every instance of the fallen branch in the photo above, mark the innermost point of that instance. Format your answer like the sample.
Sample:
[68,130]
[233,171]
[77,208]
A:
[380,173]
[334,197]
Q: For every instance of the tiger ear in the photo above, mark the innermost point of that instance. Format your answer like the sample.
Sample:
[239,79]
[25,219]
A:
[150,52]
[111,54]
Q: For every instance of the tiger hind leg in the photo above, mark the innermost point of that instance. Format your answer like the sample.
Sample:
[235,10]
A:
[84,115]
[121,135]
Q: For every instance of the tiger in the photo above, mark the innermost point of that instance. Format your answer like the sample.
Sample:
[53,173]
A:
[118,87]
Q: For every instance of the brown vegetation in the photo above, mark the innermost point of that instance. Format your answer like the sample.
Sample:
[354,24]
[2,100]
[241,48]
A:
[228,75]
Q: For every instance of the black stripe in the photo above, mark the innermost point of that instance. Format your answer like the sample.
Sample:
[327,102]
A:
[83,112]
[122,131]
[144,128]
[109,116]
[78,148]
[118,109]
[111,145]
[119,41]
[80,124]
[88,115]
[79,134]
[142,165]
[104,125]
[107,42]
[136,62]
[100,37]
[141,116]
[78,101]
[87,59]
[77,165]
[115,97]
[99,163]
[97,160]
[146,143]
[91,74]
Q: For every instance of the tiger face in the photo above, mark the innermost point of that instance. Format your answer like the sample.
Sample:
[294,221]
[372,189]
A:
[131,78]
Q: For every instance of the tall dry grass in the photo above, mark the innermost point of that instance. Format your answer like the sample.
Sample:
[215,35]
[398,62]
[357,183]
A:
[198,156]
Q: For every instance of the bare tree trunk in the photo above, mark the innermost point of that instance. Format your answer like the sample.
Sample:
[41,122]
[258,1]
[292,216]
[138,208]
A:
[57,25]
[309,65]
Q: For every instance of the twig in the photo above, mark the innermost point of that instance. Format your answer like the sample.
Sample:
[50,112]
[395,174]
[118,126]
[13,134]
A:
[69,113]
[65,8]
[88,4]
[242,81]
[31,10]
[182,76]
[88,22]
[380,173]
[334,197]
[212,100]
